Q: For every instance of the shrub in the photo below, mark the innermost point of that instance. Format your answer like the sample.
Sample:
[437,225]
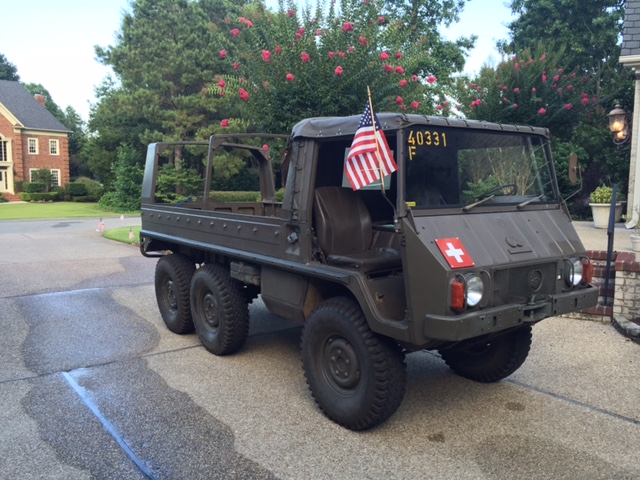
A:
[33,187]
[25,197]
[76,189]
[44,197]
[42,175]
[81,198]
[94,189]
[235,196]
[2,199]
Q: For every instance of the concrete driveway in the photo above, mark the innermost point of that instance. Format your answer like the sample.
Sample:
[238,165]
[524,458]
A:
[93,386]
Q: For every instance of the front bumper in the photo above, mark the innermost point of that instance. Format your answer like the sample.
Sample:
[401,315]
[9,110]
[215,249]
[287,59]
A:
[483,322]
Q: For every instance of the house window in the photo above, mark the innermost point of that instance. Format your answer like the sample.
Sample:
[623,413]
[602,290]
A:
[54,147]
[4,151]
[32,172]
[33,146]
[55,177]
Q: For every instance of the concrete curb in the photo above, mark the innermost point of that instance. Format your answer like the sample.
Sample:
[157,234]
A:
[627,328]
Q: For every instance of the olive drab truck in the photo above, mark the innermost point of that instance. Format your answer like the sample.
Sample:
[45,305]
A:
[461,250]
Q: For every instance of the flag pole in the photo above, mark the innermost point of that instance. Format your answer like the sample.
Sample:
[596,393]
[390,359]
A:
[375,136]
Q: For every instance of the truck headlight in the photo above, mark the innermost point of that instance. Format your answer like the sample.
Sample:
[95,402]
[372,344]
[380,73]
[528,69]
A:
[573,269]
[474,290]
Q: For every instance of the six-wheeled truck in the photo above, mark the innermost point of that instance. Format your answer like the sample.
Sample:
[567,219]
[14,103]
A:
[461,250]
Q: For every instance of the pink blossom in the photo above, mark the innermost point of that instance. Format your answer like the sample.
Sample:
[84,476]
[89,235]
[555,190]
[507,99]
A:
[556,78]
[291,13]
[350,49]
[415,78]
[388,68]
[568,106]
[301,30]
[399,70]
[339,70]
[534,90]
[573,75]
[431,80]
[472,85]
[594,100]
[542,111]
[478,88]
[585,101]
[363,41]
[278,49]
[381,20]
[235,32]
[584,95]
[305,57]
[585,79]
[559,90]
[224,123]
[403,83]
[244,95]
[347,27]
[236,66]
[544,78]
[570,87]
[398,55]
[516,90]
[340,54]
[384,56]
[505,99]
[402,107]
[332,55]
[266,55]
[290,77]
[318,32]
[439,107]
[560,70]
[265,147]
[298,36]
[399,100]
[543,58]
[222,84]
[504,88]
[515,105]
[223,54]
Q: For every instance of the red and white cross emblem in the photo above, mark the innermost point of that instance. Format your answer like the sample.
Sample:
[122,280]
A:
[454,252]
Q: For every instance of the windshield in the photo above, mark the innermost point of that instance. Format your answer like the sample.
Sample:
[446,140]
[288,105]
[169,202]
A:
[453,167]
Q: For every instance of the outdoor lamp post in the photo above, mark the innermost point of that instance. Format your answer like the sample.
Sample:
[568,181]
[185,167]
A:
[619,125]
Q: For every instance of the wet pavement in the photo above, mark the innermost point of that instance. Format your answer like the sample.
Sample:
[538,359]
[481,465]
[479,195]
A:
[93,386]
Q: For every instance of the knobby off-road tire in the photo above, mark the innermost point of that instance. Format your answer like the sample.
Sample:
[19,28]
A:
[220,310]
[172,282]
[356,377]
[493,360]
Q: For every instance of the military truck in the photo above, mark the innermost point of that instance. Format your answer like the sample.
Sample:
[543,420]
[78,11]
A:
[461,251]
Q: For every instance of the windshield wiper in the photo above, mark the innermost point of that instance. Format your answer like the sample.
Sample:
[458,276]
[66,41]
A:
[466,208]
[527,202]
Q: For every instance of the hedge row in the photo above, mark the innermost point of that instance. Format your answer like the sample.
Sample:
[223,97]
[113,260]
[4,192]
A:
[39,197]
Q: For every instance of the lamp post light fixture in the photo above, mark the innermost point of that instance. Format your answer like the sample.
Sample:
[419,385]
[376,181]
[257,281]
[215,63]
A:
[619,125]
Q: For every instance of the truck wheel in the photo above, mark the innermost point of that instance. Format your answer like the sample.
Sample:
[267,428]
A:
[492,360]
[172,281]
[220,310]
[356,377]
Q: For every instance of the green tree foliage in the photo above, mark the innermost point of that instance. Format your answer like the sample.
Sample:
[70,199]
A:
[127,184]
[8,70]
[289,65]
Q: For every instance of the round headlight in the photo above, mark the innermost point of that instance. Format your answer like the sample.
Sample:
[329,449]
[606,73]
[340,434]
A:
[475,289]
[572,272]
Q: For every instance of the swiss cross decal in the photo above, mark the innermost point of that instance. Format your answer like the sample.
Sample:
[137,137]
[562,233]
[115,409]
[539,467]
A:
[454,252]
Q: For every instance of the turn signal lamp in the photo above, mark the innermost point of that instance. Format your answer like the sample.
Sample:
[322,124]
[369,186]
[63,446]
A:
[457,295]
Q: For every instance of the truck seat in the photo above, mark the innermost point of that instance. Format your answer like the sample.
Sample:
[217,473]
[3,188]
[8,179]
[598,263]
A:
[345,235]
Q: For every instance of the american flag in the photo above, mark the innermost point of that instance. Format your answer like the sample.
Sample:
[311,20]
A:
[367,157]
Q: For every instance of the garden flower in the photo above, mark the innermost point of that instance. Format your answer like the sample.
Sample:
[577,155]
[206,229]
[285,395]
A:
[384,56]
[543,58]
[347,27]
[341,54]
[534,90]
[398,55]
[224,123]
[223,54]
[363,41]
[222,84]
[301,30]
[290,77]
[266,55]
[291,13]
[298,36]
[556,78]
[339,70]
[585,101]
[431,80]
[403,83]
[244,95]
[515,105]
[399,70]
[585,79]
[381,20]
[570,87]
[235,32]
[399,100]
[350,49]
[568,106]
[560,90]
[415,78]
[402,107]
[388,68]
[305,57]
[236,66]
[278,49]
[542,111]
[544,78]
[439,107]
[516,90]
[265,147]
[318,32]
[332,55]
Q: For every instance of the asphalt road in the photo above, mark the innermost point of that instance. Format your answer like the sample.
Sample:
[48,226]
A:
[93,386]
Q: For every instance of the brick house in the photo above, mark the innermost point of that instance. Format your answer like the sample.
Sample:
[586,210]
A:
[31,138]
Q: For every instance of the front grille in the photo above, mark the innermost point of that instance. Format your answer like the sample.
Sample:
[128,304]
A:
[519,284]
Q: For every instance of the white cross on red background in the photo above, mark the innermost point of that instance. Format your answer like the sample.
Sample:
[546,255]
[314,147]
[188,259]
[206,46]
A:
[454,252]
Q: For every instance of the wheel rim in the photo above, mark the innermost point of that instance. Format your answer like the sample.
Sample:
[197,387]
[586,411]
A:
[170,296]
[340,364]
[210,312]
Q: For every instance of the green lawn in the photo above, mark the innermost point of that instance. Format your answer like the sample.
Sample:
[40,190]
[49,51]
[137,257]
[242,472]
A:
[122,234]
[32,211]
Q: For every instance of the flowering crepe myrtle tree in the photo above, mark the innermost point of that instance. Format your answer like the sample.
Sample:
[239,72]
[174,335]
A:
[531,88]
[292,64]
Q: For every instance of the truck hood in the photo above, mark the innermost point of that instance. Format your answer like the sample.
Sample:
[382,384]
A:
[492,239]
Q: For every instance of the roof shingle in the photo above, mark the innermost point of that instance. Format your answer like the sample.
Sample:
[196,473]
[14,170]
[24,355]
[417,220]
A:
[27,109]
